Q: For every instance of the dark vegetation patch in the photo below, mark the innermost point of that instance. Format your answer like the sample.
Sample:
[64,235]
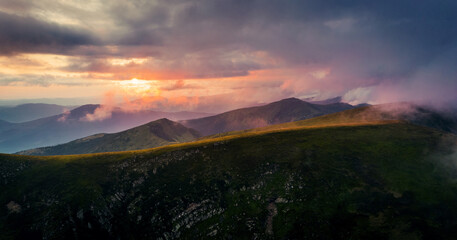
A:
[357,182]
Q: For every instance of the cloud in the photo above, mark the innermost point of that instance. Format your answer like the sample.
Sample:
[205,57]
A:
[398,50]
[19,34]
[187,67]
[42,80]
[64,116]
[180,85]
[358,95]
[128,102]
[365,44]
[29,80]
[102,112]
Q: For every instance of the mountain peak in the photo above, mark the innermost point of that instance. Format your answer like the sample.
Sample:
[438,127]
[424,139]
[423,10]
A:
[285,110]
[338,99]
[288,101]
[292,99]
[83,110]
[86,107]
[162,120]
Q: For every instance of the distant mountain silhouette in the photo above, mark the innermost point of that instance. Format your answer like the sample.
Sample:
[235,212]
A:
[30,111]
[70,126]
[153,134]
[286,110]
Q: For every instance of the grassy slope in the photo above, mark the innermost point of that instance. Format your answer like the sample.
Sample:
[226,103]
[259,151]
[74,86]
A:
[154,134]
[384,113]
[352,117]
[376,181]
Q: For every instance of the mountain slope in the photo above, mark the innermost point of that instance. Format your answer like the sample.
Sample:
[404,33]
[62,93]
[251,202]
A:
[393,112]
[349,182]
[154,134]
[72,125]
[5,124]
[286,110]
[30,111]
[412,113]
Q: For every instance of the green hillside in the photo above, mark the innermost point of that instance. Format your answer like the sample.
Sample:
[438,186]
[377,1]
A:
[375,181]
[154,134]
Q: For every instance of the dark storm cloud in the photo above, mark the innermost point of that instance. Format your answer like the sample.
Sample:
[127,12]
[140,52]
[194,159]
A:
[26,34]
[302,31]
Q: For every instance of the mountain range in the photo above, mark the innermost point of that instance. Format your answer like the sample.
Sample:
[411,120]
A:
[72,125]
[154,134]
[233,123]
[286,110]
[69,126]
[277,112]
[30,111]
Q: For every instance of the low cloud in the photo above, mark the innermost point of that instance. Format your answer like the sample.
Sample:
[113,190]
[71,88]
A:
[102,112]
[208,104]
[358,95]
[64,116]
[447,154]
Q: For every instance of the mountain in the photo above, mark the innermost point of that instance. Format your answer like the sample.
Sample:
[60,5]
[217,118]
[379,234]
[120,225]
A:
[409,112]
[287,110]
[72,125]
[371,180]
[373,114]
[324,102]
[30,111]
[5,124]
[154,134]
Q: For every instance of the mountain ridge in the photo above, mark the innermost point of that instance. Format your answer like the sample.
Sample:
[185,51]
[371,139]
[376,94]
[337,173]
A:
[69,126]
[153,134]
[31,111]
[286,110]
[390,112]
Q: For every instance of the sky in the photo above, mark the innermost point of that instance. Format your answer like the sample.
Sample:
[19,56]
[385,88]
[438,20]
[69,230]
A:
[214,55]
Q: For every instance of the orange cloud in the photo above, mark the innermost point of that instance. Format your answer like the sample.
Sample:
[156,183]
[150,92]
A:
[104,111]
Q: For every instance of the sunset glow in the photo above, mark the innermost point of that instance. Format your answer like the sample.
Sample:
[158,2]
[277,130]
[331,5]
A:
[138,87]
[221,54]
